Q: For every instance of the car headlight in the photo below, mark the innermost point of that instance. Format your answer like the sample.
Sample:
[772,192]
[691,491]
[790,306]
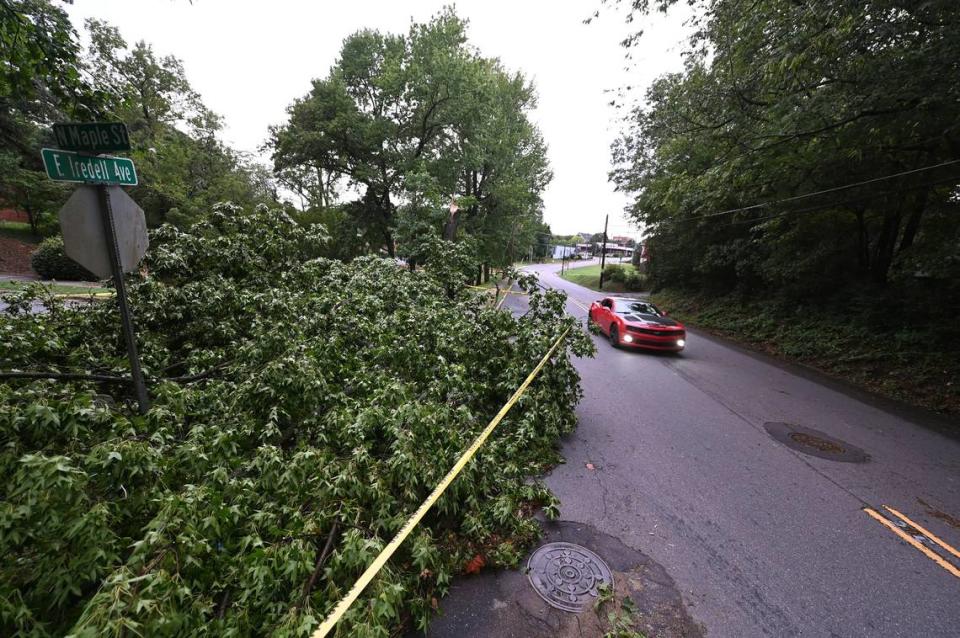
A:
[681,342]
[628,338]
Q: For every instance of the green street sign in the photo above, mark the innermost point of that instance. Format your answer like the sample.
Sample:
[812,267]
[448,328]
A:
[95,137]
[66,166]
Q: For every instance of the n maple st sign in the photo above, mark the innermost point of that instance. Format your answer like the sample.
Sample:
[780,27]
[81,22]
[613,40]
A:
[93,137]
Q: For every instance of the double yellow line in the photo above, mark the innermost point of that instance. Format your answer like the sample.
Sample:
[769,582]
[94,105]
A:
[578,304]
[334,617]
[911,540]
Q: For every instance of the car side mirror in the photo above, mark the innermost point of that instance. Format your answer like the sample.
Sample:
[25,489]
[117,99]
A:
[666,314]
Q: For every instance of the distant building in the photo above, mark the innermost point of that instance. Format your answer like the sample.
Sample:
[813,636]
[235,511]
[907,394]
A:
[616,250]
[584,251]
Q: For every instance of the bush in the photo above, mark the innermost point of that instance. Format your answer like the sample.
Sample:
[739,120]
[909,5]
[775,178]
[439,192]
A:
[634,281]
[614,272]
[297,401]
[48,225]
[50,262]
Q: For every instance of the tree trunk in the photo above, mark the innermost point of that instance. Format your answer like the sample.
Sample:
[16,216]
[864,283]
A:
[321,186]
[386,212]
[388,238]
[863,242]
[885,246]
[450,228]
[486,273]
[913,222]
[31,216]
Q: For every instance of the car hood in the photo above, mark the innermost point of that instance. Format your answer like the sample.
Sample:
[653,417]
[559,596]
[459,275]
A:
[651,319]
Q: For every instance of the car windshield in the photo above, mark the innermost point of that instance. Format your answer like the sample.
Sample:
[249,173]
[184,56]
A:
[623,307]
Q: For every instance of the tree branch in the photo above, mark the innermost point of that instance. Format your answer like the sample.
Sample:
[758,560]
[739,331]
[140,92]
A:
[321,559]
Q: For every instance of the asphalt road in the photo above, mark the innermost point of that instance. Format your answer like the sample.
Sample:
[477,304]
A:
[762,540]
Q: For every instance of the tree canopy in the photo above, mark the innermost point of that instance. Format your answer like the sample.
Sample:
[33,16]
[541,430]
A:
[182,166]
[804,146]
[411,123]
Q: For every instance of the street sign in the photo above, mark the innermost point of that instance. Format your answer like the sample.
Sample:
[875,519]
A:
[103,229]
[94,137]
[84,239]
[67,166]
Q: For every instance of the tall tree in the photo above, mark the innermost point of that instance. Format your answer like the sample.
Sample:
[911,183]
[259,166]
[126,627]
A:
[41,81]
[787,99]
[184,168]
[411,122]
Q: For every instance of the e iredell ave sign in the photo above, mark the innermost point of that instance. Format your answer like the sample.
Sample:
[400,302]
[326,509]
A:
[66,166]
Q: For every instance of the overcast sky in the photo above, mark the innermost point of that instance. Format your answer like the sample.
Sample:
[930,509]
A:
[249,60]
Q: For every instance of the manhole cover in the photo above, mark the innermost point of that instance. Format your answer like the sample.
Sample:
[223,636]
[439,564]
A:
[815,443]
[567,576]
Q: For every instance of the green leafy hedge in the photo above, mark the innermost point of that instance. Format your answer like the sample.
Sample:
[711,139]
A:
[625,275]
[297,402]
[50,262]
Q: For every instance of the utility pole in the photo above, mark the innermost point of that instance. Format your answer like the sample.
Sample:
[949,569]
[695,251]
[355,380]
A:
[603,251]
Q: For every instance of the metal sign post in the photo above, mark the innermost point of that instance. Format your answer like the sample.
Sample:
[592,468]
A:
[126,317]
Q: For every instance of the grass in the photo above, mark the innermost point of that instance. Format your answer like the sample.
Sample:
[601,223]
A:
[19,231]
[589,277]
[58,289]
[853,339]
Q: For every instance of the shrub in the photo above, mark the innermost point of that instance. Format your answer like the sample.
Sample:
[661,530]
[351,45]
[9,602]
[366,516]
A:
[50,262]
[614,272]
[634,281]
[48,225]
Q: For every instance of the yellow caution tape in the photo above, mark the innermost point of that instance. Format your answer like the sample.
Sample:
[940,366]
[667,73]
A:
[82,295]
[331,620]
[502,290]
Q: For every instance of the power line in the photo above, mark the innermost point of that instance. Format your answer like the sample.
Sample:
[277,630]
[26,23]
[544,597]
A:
[849,200]
[815,193]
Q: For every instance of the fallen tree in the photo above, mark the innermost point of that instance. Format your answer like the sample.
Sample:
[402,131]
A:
[302,408]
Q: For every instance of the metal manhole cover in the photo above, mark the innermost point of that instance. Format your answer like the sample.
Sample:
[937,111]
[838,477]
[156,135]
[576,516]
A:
[567,576]
[815,443]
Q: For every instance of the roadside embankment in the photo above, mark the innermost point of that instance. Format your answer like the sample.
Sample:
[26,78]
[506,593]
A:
[886,350]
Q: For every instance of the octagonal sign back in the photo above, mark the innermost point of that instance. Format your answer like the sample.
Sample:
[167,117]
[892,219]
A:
[83,237]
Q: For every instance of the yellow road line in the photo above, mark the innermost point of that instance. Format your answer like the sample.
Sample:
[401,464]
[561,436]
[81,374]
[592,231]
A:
[331,620]
[924,531]
[912,541]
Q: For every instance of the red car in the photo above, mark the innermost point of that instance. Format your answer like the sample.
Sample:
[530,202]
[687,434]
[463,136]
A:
[637,323]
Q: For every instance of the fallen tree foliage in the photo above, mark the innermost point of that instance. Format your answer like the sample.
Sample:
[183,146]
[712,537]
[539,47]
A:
[247,500]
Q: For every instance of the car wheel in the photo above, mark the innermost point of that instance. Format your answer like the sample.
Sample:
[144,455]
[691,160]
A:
[614,336]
